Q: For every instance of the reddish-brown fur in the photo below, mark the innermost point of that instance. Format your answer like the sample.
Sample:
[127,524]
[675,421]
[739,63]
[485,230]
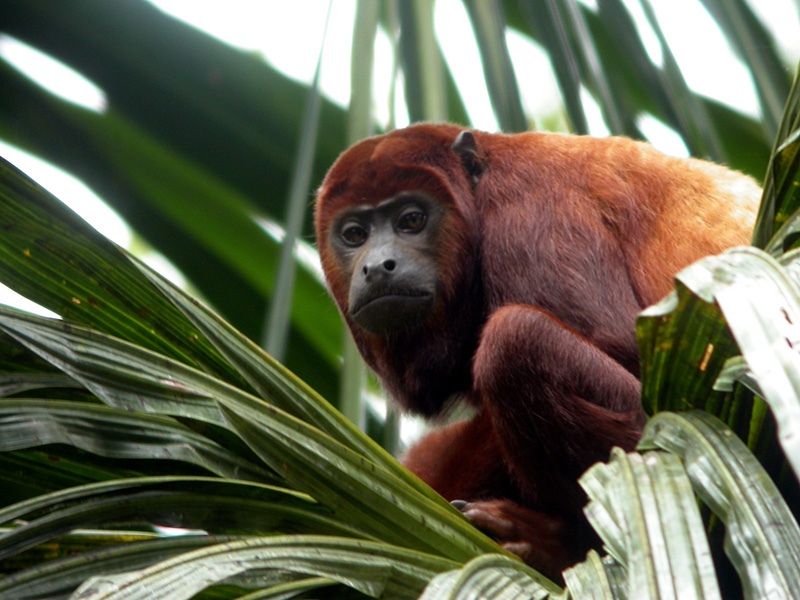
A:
[545,263]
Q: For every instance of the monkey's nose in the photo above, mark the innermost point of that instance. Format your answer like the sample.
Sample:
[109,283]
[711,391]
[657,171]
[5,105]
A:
[379,267]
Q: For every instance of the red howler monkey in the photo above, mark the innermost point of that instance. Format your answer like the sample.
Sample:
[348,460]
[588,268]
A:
[509,270]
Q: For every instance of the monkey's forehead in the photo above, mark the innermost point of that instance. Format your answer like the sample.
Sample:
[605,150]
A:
[422,143]
[377,169]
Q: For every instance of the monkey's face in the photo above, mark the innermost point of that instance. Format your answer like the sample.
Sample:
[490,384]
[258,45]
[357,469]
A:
[388,251]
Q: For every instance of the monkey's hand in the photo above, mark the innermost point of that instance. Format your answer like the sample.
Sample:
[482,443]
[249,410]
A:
[546,542]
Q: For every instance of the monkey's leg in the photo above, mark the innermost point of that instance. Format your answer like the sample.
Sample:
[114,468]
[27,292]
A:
[462,461]
[465,464]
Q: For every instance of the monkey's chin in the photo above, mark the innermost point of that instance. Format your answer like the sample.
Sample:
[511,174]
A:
[393,314]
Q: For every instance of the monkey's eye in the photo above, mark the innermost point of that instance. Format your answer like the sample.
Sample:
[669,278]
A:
[354,234]
[411,222]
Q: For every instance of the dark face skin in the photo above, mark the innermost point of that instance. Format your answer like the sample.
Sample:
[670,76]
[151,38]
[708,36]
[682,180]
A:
[389,250]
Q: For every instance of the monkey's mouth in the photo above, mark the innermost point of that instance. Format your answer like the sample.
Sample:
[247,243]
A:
[392,310]
[388,298]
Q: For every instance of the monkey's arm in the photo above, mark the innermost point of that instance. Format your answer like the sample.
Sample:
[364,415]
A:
[557,402]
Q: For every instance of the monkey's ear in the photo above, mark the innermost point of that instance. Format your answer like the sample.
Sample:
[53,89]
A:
[467,150]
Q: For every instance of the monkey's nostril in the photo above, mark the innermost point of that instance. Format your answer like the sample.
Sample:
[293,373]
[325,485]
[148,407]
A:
[364,269]
[389,265]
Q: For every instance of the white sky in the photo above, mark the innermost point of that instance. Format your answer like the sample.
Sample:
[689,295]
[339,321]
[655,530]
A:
[271,28]
[266,27]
